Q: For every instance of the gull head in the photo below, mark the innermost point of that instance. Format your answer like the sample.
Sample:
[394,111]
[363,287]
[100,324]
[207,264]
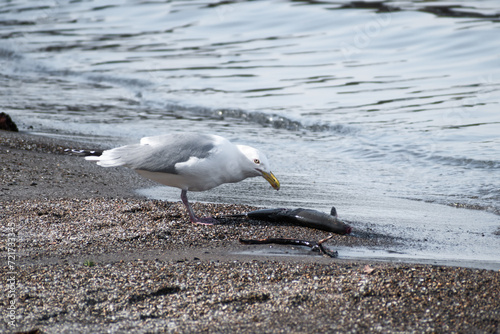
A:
[257,165]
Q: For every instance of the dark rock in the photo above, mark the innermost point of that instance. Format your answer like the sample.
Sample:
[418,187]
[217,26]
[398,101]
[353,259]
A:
[6,123]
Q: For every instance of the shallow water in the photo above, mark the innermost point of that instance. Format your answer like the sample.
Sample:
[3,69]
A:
[387,110]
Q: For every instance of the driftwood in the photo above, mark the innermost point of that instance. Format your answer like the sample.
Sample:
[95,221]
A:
[315,246]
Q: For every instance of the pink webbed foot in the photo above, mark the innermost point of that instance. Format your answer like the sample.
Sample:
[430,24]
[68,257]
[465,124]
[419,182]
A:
[194,219]
[204,221]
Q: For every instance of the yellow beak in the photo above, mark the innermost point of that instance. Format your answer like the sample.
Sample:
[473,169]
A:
[273,181]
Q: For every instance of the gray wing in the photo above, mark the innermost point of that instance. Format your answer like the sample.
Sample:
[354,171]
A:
[162,153]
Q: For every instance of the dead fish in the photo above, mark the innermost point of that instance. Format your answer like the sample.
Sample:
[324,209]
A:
[303,217]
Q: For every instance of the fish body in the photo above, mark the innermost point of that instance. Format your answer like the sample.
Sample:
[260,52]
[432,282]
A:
[303,217]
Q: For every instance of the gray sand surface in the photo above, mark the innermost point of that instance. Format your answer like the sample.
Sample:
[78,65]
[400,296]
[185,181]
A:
[87,255]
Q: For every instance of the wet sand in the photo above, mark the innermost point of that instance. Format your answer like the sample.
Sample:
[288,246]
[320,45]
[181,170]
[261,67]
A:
[91,256]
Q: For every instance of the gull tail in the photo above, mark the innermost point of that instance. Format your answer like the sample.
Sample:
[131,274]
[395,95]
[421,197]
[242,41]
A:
[115,157]
[84,153]
[108,158]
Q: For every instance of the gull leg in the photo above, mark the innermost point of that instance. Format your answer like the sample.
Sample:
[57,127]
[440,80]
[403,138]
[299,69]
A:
[194,219]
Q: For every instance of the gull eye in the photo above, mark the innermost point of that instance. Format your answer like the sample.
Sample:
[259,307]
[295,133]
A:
[257,161]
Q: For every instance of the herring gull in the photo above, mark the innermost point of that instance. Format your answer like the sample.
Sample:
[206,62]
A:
[191,162]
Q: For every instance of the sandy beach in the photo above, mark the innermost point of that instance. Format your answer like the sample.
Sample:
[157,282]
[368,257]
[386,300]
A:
[82,253]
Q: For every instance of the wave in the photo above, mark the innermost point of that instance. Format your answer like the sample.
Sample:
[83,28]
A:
[24,64]
[262,118]
[154,104]
[21,63]
[449,10]
[465,162]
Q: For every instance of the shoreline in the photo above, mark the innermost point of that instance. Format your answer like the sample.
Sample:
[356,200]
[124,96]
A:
[154,271]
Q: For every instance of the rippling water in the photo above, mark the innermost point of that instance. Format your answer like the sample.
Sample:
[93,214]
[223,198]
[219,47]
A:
[358,104]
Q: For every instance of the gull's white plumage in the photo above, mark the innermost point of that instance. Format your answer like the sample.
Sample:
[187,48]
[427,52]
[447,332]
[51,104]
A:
[194,162]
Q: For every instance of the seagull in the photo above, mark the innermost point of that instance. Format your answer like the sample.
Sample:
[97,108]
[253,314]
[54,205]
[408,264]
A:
[190,162]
